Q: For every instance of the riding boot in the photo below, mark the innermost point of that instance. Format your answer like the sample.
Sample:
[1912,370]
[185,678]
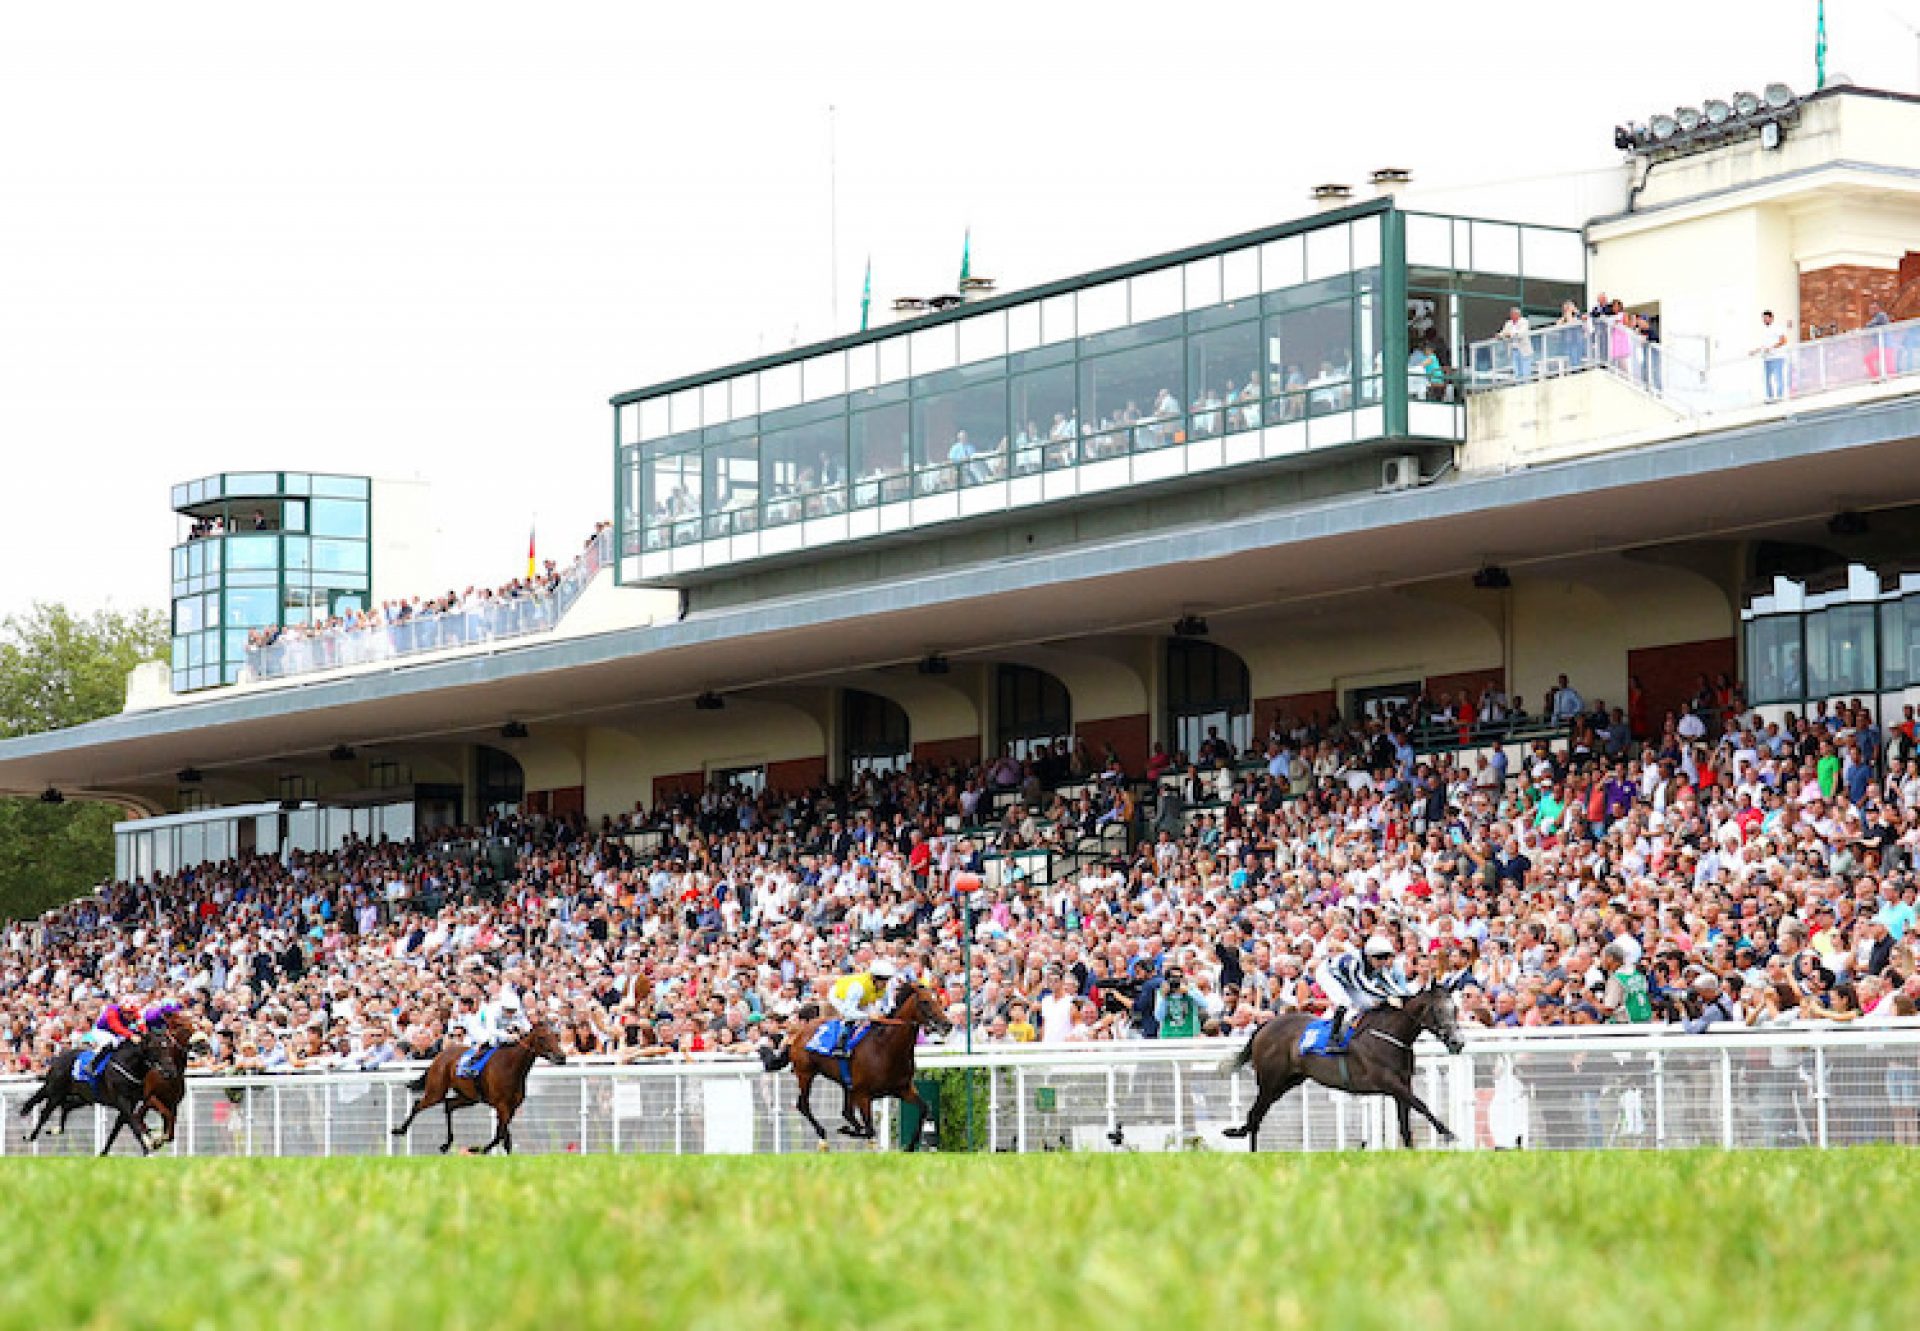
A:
[1337,1026]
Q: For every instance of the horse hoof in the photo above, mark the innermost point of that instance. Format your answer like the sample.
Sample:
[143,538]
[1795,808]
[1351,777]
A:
[823,1148]
[446,1148]
[1235,1133]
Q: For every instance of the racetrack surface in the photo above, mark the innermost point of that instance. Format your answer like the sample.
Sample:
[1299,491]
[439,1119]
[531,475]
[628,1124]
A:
[1167,1241]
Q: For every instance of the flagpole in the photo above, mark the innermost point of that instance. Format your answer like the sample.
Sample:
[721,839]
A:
[833,209]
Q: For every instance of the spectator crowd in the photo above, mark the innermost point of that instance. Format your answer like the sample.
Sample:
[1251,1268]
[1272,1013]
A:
[1713,867]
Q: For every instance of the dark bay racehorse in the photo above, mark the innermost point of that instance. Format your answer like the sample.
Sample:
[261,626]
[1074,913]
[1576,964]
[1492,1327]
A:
[501,1085]
[882,1065]
[120,1087]
[1378,1060]
[166,1086]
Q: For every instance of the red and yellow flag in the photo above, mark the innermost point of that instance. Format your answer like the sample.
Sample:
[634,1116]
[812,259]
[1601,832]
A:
[530,566]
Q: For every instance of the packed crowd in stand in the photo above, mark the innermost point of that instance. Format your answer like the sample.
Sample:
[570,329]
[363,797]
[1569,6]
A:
[474,601]
[1712,869]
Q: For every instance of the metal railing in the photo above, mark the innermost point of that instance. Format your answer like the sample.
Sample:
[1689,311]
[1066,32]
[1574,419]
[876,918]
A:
[433,631]
[1641,1088]
[1798,370]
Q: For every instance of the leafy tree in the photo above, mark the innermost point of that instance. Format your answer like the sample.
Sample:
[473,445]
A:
[59,670]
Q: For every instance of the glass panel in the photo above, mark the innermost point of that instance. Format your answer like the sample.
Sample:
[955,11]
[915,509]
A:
[684,407]
[341,487]
[299,558]
[1154,295]
[863,368]
[714,409]
[186,616]
[296,483]
[1239,274]
[1102,307]
[340,556]
[1310,359]
[934,350]
[882,454]
[824,376]
[1133,396]
[1429,242]
[1496,248]
[779,387]
[1556,256]
[654,422]
[1223,371]
[1819,681]
[339,517]
[252,483]
[983,337]
[1329,251]
[1366,243]
[293,515]
[1774,661]
[180,554]
[1057,319]
[672,497]
[629,418]
[894,360]
[1283,263]
[733,484]
[252,607]
[960,428]
[1894,643]
[1043,416]
[744,394]
[1851,649]
[805,470]
[1023,327]
[253,551]
[1203,283]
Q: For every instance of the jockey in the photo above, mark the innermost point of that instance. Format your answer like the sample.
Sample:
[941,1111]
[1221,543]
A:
[857,997]
[504,1016]
[158,1012]
[1360,983]
[118,1022]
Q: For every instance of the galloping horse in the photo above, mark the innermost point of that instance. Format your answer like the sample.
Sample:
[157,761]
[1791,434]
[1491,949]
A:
[1378,1060]
[120,1087]
[881,1065]
[164,1088]
[501,1085]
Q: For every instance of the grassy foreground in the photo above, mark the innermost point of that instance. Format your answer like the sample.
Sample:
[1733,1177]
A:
[1589,1241]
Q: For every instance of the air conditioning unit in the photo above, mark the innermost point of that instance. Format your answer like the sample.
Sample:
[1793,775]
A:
[1400,473]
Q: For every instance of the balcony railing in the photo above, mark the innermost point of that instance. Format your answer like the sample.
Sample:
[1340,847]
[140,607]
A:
[1798,370]
[432,632]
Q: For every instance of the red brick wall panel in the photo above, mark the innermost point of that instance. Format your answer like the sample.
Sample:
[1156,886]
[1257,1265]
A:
[1129,735]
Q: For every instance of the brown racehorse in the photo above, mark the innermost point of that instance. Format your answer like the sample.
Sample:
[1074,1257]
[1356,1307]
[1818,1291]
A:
[502,1084]
[164,1092]
[882,1065]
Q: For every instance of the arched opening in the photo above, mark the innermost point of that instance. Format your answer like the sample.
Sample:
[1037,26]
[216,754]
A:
[499,784]
[877,735]
[1209,692]
[1032,711]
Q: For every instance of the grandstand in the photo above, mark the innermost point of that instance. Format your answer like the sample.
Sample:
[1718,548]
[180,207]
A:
[1506,585]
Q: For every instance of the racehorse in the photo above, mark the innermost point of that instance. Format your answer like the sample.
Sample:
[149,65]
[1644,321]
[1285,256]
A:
[1378,1059]
[881,1065]
[501,1085]
[164,1090]
[120,1087]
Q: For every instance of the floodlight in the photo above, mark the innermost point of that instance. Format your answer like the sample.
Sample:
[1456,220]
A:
[1779,96]
[1665,127]
[1689,118]
[1623,138]
[1718,112]
[1745,104]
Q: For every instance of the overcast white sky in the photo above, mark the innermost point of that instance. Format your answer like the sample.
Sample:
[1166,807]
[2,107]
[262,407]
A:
[432,239]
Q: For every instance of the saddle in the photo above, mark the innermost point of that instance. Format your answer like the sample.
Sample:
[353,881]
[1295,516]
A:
[474,1061]
[837,1038]
[1314,1040]
[91,1063]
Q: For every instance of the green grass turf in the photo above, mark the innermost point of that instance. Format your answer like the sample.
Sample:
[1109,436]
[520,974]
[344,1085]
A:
[1696,1240]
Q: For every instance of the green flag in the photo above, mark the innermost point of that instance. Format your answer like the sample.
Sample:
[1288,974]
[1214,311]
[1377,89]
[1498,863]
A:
[1820,49]
[966,259]
[866,294]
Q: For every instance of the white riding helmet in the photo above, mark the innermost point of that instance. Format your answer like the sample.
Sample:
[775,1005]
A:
[884,969]
[1379,946]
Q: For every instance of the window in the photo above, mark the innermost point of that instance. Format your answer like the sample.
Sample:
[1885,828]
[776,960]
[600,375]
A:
[878,733]
[341,487]
[671,484]
[804,466]
[1032,710]
[252,607]
[1774,663]
[882,451]
[339,517]
[960,426]
[752,780]
[253,552]
[732,487]
[1223,377]
[1310,350]
[1209,694]
[340,556]
[1045,426]
[1132,395]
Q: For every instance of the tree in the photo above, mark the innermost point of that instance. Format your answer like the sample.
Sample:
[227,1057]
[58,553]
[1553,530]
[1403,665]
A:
[56,671]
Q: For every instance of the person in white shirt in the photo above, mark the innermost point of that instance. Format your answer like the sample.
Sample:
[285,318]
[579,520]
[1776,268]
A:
[1518,335]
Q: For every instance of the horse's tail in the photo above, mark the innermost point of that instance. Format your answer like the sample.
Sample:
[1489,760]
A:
[1230,1066]
[418,1084]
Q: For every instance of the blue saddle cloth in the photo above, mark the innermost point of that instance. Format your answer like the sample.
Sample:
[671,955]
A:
[474,1061]
[91,1063]
[838,1039]
[1314,1039]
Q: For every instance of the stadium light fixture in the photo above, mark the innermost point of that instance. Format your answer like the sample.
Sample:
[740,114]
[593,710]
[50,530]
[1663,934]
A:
[513,730]
[188,776]
[1688,118]
[1189,626]
[1718,112]
[1779,96]
[1745,104]
[934,664]
[341,753]
[1492,578]
[709,702]
[52,795]
[1665,127]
